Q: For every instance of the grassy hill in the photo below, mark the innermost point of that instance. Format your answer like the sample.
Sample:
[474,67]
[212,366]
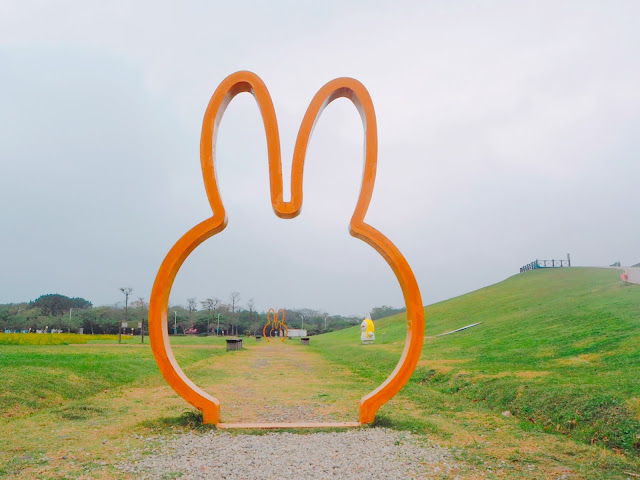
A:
[558,348]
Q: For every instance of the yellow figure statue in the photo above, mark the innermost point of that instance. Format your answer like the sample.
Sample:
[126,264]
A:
[367,328]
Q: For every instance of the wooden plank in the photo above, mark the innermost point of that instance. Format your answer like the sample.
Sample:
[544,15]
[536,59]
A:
[271,426]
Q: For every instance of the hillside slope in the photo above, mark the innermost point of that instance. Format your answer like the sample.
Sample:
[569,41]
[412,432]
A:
[558,348]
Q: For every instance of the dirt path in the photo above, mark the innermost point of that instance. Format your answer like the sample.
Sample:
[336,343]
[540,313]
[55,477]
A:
[280,382]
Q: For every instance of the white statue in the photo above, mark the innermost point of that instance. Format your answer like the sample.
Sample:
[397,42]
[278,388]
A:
[367,328]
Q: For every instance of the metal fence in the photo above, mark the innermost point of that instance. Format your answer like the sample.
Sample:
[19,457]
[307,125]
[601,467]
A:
[546,264]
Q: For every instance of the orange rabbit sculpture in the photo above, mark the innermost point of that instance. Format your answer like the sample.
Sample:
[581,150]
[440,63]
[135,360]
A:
[284,330]
[275,325]
[231,86]
[271,314]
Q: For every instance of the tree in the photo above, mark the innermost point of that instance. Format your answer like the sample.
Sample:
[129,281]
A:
[191,306]
[211,305]
[74,321]
[5,317]
[100,319]
[223,310]
[235,299]
[323,316]
[140,304]
[385,311]
[179,317]
[250,323]
[55,304]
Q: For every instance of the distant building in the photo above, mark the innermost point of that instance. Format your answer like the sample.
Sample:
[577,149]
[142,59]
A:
[297,332]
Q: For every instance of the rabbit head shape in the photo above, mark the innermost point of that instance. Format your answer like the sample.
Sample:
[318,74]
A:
[249,82]
[275,325]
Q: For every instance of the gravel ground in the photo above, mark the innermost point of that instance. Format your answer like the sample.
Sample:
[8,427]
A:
[370,453]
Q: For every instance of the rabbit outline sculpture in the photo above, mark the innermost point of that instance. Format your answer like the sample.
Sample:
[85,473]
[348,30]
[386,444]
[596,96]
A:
[271,314]
[231,86]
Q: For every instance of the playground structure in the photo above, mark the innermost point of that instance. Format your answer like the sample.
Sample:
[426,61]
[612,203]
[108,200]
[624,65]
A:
[231,86]
[277,327]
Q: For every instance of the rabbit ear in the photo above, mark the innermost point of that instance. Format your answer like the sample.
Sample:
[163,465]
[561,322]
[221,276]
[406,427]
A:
[283,326]
[359,96]
[249,82]
[230,87]
[271,314]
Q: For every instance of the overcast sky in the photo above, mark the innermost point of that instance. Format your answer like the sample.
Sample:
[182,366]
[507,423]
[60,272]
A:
[508,131]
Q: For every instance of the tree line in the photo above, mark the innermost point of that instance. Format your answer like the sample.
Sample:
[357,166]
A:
[213,316]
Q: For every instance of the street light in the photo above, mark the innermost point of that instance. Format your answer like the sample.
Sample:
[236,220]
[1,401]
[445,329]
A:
[127,291]
[142,318]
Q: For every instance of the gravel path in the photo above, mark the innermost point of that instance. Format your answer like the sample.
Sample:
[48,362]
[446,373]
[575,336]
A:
[370,453]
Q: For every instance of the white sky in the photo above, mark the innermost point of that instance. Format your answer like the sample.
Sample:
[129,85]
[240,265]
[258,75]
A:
[508,131]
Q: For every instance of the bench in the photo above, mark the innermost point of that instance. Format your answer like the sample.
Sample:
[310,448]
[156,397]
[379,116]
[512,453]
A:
[234,344]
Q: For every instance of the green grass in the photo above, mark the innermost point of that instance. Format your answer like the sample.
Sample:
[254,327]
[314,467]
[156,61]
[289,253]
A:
[53,338]
[37,377]
[211,340]
[558,348]
[35,374]
[77,407]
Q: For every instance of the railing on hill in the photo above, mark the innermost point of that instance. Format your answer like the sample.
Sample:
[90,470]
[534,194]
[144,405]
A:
[546,264]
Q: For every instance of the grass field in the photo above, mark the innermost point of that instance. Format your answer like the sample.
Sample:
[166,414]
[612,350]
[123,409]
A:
[38,377]
[558,348]
[54,338]
[74,409]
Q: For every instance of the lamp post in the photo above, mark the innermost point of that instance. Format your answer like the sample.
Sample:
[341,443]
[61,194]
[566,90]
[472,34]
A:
[175,322]
[127,291]
[218,329]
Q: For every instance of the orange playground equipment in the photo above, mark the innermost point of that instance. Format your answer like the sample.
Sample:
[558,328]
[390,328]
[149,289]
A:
[231,86]
[274,326]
